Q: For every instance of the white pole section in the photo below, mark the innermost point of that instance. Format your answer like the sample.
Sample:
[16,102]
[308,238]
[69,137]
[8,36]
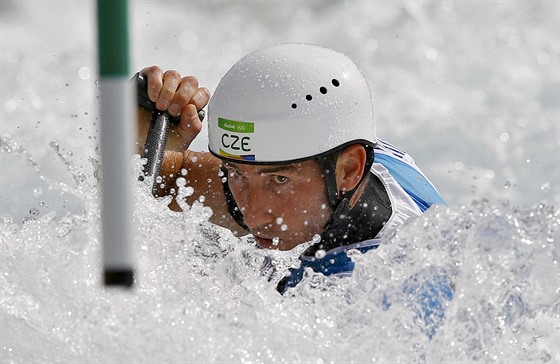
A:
[117,133]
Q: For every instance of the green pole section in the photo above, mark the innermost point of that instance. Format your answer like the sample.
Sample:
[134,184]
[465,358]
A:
[113,37]
[117,130]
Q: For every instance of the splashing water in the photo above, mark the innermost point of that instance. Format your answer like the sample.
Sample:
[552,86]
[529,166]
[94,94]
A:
[478,77]
[204,295]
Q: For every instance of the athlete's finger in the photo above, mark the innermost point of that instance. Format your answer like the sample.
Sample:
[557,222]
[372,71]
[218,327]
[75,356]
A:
[154,75]
[200,98]
[171,80]
[190,122]
[186,89]
[189,127]
[197,103]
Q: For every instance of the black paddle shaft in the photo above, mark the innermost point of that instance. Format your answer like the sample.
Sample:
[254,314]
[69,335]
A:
[158,132]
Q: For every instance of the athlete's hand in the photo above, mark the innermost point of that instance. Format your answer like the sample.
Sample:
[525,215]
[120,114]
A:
[179,96]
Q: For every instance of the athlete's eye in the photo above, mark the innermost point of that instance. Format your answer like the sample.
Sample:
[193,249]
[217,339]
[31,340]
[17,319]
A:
[280,179]
[233,172]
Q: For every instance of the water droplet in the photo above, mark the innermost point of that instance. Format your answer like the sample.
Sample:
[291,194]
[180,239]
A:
[284,227]
[84,73]
[28,218]
[37,192]
[431,54]
[514,41]
[507,185]
[181,182]
[55,146]
[545,187]
[189,191]
[279,220]
[320,254]
[543,58]
[372,44]
[34,211]
[275,241]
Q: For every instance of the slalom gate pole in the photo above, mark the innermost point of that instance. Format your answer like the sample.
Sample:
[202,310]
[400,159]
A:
[117,133]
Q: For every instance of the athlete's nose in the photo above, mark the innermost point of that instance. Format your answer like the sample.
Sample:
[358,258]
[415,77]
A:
[256,208]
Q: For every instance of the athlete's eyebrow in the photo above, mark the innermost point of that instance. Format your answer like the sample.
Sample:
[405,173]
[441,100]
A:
[279,168]
[268,169]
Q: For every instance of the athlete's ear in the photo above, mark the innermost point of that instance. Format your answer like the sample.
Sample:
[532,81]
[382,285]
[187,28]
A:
[350,167]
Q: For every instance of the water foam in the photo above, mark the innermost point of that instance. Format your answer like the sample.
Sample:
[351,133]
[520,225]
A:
[203,295]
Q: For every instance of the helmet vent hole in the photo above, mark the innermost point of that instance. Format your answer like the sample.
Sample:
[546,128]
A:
[308,97]
[335,82]
[323,90]
[294,106]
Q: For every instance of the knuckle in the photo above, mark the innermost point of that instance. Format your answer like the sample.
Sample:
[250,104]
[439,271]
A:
[207,93]
[180,98]
[199,100]
[191,80]
[173,74]
[169,89]
[195,125]
[152,70]
[204,95]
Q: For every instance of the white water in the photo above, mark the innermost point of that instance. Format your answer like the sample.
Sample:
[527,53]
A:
[469,89]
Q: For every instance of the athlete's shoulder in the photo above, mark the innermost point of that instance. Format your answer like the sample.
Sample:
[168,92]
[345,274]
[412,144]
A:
[401,166]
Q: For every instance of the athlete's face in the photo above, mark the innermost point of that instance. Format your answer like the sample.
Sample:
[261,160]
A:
[283,205]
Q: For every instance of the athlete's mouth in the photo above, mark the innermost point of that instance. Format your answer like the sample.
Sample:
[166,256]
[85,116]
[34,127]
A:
[266,242]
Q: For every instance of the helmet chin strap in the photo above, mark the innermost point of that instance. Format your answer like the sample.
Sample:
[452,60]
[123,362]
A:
[234,210]
[327,164]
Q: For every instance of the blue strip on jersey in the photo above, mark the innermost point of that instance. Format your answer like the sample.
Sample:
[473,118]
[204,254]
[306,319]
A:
[332,263]
[412,181]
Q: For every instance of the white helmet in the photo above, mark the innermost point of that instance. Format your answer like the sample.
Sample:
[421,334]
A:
[288,103]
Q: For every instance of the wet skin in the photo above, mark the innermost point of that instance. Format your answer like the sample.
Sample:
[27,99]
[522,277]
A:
[287,202]
[283,205]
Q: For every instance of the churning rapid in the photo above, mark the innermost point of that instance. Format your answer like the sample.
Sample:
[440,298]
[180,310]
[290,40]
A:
[470,90]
